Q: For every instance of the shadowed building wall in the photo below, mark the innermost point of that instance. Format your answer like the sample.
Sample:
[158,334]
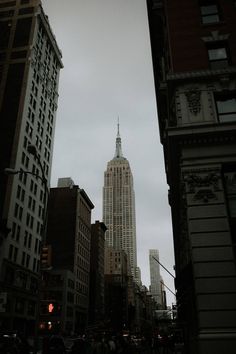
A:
[194,62]
[30,62]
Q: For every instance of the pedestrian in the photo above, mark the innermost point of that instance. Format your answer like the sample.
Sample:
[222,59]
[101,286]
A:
[79,346]
[112,345]
[100,345]
[56,345]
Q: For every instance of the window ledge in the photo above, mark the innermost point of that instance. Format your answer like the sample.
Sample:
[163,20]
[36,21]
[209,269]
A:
[213,24]
[216,37]
[200,73]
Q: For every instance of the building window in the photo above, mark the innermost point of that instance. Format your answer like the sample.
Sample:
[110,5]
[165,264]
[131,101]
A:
[226,107]
[209,12]
[218,55]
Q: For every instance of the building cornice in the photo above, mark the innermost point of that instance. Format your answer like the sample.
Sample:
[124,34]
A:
[86,198]
[200,73]
[50,34]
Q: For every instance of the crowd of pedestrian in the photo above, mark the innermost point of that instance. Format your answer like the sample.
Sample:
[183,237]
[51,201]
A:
[100,343]
[103,343]
[93,343]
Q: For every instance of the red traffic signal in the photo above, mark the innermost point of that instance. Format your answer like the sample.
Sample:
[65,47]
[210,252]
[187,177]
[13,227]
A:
[50,307]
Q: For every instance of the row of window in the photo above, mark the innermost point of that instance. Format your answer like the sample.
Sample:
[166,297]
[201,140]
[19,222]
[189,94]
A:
[18,210]
[41,40]
[42,74]
[82,288]
[83,276]
[25,258]
[48,85]
[82,263]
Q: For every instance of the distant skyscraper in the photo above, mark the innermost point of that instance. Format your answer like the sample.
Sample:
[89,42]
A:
[30,62]
[155,276]
[119,206]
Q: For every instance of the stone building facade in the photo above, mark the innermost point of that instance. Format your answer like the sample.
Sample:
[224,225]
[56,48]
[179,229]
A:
[30,62]
[194,61]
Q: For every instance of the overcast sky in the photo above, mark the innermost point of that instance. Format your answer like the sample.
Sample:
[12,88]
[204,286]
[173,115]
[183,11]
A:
[108,73]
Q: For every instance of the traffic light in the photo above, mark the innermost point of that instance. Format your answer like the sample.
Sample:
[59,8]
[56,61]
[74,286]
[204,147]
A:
[46,256]
[50,307]
[54,308]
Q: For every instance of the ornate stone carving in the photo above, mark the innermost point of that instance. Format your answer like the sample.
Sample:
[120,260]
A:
[203,186]
[194,101]
[205,195]
[195,181]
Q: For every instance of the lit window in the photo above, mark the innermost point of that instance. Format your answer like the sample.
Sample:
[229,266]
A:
[226,107]
[218,56]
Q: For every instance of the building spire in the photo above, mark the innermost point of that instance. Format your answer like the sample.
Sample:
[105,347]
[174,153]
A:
[118,152]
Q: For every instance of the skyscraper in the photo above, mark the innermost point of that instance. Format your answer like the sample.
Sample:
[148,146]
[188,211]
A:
[119,206]
[155,276]
[30,61]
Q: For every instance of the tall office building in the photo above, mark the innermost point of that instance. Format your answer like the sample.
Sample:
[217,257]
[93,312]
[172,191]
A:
[119,206]
[69,235]
[194,60]
[155,276]
[30,61]
[96,281]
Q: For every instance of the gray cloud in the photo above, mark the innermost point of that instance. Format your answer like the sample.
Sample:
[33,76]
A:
[108,73]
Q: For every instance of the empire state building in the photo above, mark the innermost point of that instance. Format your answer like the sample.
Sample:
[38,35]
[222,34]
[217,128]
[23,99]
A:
[119,206]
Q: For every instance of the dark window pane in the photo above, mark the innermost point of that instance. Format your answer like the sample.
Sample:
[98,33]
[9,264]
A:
[5,29]
[217,53]
[209,9]
[210,19]
[227,105]
[9,13]
[22,32]
[7,4]
[219,64]
[26,10]
[19,54]
[226,108]
[227,117]
[209,12]
[2,56]
[230,183]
